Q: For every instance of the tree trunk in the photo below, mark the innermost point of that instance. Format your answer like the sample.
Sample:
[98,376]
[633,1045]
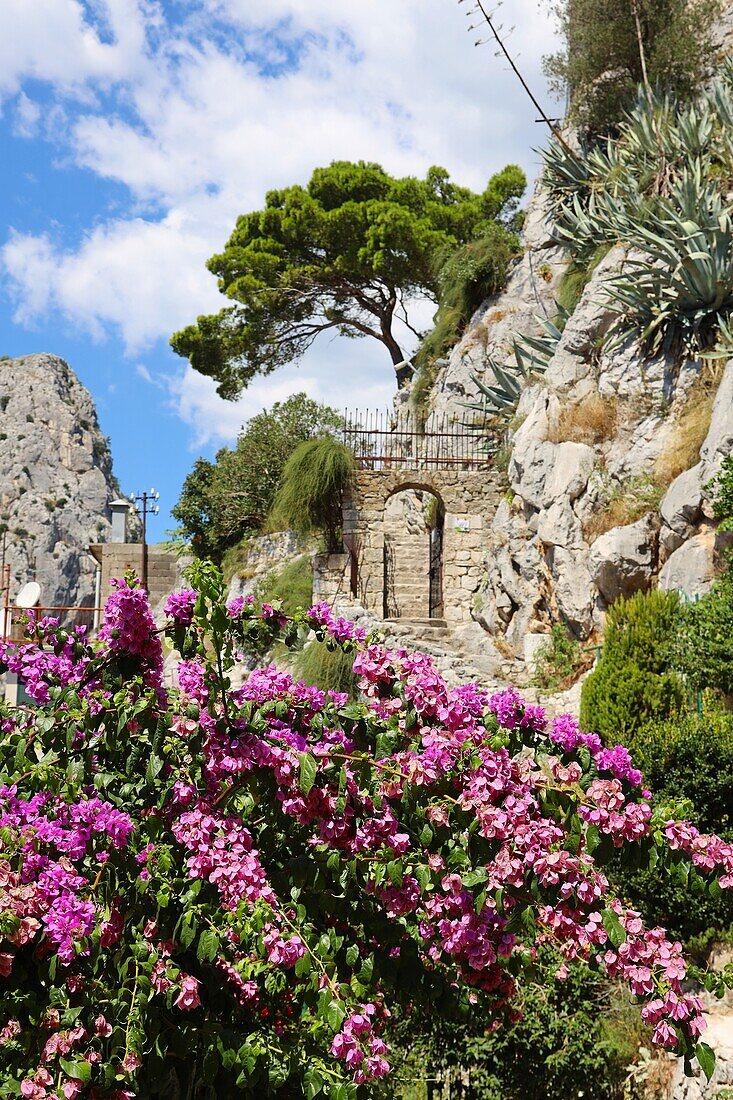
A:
[403,370]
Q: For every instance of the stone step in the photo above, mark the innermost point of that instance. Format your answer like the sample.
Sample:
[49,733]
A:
[419,623]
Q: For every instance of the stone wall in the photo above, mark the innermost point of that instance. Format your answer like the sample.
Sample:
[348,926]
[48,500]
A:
[116,558]
[469,500]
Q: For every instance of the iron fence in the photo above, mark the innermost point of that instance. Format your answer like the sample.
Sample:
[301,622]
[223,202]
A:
[13,619]
[383,440]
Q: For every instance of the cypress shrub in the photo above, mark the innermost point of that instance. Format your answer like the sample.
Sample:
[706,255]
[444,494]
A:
[704,646]
[633,682]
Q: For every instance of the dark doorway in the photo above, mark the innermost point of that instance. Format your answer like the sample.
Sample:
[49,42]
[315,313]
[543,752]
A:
[413,555]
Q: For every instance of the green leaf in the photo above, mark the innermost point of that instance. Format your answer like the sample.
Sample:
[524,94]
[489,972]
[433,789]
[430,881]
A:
[79,1070]
[187,933]
[614,929]
[308,772]
[208,946]
[352,955]
[335,1014]
[394,870]
[155,765]
[592,838]
[706,1057]
[20,754]
[424,876]
[341,800]
[303,966]
[528,921]
[313,1082]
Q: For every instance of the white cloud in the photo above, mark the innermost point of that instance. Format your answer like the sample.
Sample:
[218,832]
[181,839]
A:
[145,278]
[27,117]
[59,41]
[199,130]
[340,376]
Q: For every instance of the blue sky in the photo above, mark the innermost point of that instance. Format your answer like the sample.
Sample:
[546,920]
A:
[132,133]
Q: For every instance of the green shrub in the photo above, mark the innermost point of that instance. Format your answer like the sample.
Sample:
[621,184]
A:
[311,491]
[291,587]
[327,669]
[556,659]
[704,644]
[602,63]
[722,487]
[690,757]
[633,682]
[225,501]
[575,1038]
[466,278]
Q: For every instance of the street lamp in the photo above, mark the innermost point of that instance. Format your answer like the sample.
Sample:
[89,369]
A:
[146,504]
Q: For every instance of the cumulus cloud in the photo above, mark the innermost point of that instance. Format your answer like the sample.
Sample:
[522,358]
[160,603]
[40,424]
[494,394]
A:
[59,42]
[343,375]
[199,109]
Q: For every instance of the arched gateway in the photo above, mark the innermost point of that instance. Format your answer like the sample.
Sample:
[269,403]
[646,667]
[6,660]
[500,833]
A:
[415,522]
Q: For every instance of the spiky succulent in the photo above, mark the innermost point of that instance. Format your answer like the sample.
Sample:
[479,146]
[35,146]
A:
[531,356]
[660,189]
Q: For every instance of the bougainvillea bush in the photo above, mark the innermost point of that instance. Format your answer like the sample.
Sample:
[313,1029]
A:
[222,891]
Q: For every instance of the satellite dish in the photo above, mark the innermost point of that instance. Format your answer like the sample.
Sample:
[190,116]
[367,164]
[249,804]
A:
[29,595]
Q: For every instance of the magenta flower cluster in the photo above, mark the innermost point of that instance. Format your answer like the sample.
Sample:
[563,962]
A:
[378,794]
[179,606]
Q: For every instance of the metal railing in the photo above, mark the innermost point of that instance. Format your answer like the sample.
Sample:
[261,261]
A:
[13,618]
[382,440]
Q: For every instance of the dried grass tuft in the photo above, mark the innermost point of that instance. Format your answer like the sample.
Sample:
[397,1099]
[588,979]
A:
[592,420]
[691,427]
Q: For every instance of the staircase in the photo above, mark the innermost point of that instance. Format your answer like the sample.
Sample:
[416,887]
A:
[452,659]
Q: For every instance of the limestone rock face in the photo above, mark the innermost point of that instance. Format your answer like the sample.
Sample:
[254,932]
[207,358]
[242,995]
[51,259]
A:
[719,441]
[691,568]
[681,507]
[264,554]
[530,292]
[622,561]
[590,443]
[56,478]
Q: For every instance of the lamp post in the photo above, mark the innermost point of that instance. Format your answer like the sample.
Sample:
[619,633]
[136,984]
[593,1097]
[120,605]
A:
[146,504]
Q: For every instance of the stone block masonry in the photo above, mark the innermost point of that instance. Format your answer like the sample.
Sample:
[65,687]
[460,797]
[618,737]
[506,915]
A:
[386,534]
[116,558]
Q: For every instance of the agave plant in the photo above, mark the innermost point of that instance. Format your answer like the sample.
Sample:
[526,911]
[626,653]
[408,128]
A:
[532,355]
[565,172]
[681,285]
[660,189]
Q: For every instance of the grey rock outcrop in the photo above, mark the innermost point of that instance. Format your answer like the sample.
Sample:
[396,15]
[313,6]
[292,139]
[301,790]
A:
[691,568]
[56,478]
[587,454]
[681,507]
[622,561]
[530,293]
[264,554]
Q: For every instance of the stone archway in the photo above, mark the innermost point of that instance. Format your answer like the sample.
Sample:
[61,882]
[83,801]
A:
[469,498]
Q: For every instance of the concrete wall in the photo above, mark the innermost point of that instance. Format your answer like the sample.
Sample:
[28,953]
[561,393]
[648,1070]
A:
[469,499]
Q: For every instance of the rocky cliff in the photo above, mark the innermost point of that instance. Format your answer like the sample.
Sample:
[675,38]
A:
[56,478]
[607,457]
